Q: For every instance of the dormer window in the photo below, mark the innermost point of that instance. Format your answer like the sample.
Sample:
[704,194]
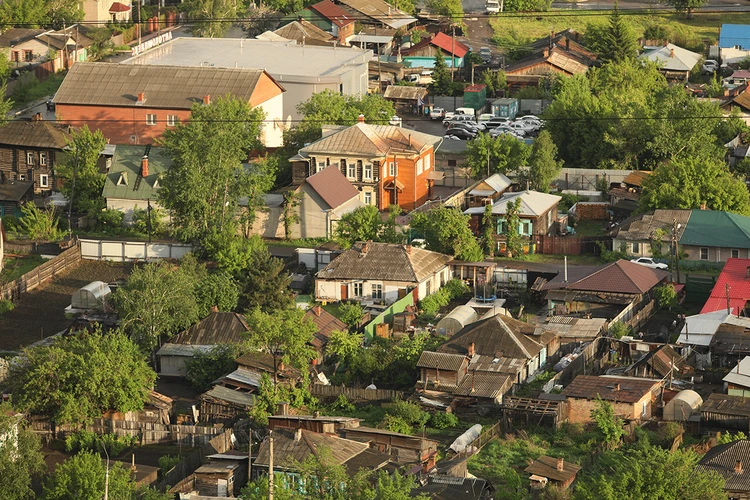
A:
[156,182]
[123,180]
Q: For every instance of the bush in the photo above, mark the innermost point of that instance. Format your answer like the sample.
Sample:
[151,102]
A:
[395,424]
[140,221]
[6,306]
[618,330]
[86,440]
[343,405]
[611,255]
[432,303]
[411,413]
[167,463]
[205,367]
[456,288]
[109,220]
[443,420]
[10,223]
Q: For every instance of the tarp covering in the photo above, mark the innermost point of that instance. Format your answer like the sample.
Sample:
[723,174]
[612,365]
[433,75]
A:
[466,438]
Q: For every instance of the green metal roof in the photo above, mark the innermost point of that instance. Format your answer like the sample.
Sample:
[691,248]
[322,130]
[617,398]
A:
[711,228]
[124,179]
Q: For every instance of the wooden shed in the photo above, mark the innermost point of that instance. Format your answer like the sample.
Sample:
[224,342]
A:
[726,412]
[223,405]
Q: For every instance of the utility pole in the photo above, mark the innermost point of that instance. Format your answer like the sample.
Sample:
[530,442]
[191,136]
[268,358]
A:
[270,465]
[677,249]
[453,50]
[140,23]
[249,453]
[72,192]
[148,219]
[488,162]
[106,476]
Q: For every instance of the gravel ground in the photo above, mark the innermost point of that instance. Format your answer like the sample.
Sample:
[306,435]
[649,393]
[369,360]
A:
[40,312]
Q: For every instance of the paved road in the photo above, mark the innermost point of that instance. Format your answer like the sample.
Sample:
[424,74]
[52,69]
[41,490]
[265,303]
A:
[477,6]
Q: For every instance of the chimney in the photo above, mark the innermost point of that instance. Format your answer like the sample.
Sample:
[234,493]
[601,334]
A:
[283,408]
[703,206]
[408,249]
[616,387]
[365,248]
[471,350]
[297,434]
[206,99]
[280,367]
[567,43]
[738,467]
[141,98]
[561,464]
[132,463]
[361,118]
[316,310]
[671,53]
[214,309]
[545,54]
[144,166]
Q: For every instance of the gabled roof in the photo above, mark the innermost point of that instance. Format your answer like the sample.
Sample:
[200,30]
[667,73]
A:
[332,12]
[734,35]
[443,42]
[735,276]
[119,7]
[630,390]
[740,374]
[724,404]
[713,228]
[326,323]
[566,60]
[14,190]
[533,203]
[496,183]
[35,134]
[570,327]
[384,261]
[672,58]
[662,360]
[642,227]
[372,141]
[289,453]
[723,460]
[699,329]
[216,328]
[636,177]
[382,12]
[69,36]
[620,277]
[14,36]
[403,92]
[441,361]
[124,180]
[171,87]
[305,32]
[547,467]
[498,336]
[332,186]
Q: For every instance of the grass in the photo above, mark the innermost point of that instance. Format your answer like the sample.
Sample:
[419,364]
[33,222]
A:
[41,89]
[333,308]
[15,267]
[581,260]
[590,228]
[297,243]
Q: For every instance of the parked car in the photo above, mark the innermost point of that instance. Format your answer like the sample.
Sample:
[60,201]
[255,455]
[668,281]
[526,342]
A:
[395,121]
[497,121]
[437,113]
[471,127]
[485,117]
[528,117]
[457,119]
[503,130]
[492,7]
[459,133]
[709,67]
[649,262]
[413,78]
[466,111]
[486,54]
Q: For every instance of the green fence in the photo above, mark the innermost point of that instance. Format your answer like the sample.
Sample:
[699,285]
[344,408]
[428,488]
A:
[387,316]
[698,288]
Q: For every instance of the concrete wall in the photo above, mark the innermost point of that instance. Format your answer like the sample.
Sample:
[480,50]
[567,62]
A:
[173,366]
[272,130]
[730,56]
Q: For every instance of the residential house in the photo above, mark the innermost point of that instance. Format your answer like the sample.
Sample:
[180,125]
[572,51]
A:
[674,62]
[423,53]
[326,323]
[737,381]
[402,448]
[573,331]
[698,332]
[66,46]
[621,291]
[382,273]
[553,470]
[223,476]
[30,151]
[660,362]
[488,191]
[406,99]
[558,54]
[101,12]
[13,194]
[730,344]
[215,329]
[731,292]
[133,178]
[305,33]
[737,100]
[389,165]
[23,48]
[730,462]
[734,43]
[647,234]
[631,398]
[377,13]
[302,71]
[326,197]
[441,487]
[224,405]
[624,197]
[324,424]
[327,16]
[133,105]
[723,411]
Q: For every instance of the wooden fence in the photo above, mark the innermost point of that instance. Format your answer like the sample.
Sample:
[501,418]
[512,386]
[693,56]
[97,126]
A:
[485,437]
[190,463]
[570,245]
[351,393]
[69,258]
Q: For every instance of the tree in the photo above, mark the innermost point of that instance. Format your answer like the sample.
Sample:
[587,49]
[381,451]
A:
[211,289]
[666,296]
[513,242]
[63,13]
[329,107]
[149,220]
[446,230]
[210,17]
[27,13]
[362,224]
[289,213]
[77,378]
[687,6]
[407,6]
[5,104]
[608,425]
[40,224]
[389,230]
[266,284]
[503,154]
[543,163]
[343,346]
[488,231]
[452,9]
[156,301]
[441,77]
[614,42]
[351,313]
[82,477]
[203,186]
[20,455]
[284,334]
[206,367]
[686,183]
[83,179]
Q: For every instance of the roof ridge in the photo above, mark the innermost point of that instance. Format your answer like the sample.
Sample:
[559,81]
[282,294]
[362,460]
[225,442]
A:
[512,335]
[733,217]
[619,263]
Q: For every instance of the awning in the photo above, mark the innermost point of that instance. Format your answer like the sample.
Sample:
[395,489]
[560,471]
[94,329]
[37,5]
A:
[119,7]
[389,185]
[435,175]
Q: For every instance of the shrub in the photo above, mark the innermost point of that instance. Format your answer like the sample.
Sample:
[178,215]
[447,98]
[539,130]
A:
[167,463]
[86,440]
[443,420]
[140,221]
[6,306]
[10,222]
[411,413]
[109,220]
[343,405]
[618,330]
[351,313]
[432,303]
[395,424]
[456,288]
[205,367]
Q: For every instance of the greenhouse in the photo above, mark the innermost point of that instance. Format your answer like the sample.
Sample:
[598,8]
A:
[90,296]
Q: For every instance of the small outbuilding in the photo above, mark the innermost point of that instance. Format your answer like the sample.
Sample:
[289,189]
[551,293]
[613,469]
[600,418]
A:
[682,405]
[456,320]
[90,296]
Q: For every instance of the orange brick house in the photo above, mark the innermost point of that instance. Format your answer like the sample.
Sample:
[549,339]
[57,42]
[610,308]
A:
[631,398]
[388,165]
[135,104]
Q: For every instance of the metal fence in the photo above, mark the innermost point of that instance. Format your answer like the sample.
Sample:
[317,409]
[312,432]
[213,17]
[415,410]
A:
[126,251]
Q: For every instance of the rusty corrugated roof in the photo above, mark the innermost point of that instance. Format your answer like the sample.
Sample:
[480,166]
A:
[630,390]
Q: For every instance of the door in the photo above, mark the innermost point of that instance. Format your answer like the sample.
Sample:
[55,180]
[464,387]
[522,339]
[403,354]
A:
[344,292]
[223,488]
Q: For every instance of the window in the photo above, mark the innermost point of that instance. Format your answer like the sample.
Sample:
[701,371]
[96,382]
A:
[735,253]
[357,289]
[43,180]
[704,253]
[15,56]
[377,291]
[636,247]
[368,198]
[368,171]
[351,171]
[427,161]
[28,55]
[172,120]
[150,119]
[321,166]
[29,158]
[392,169]
[21,177]
[419,166]
[428,287]
[644,408]
[451,163]
[42,158]
[526,227]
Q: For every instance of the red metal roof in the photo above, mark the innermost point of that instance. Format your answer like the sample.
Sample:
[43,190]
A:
[475,88]
[446,43]
[620,277]
[119,7]
[734,274]
[332,12]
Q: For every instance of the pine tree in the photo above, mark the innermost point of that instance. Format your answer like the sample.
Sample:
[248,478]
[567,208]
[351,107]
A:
[620,41]
[441,77]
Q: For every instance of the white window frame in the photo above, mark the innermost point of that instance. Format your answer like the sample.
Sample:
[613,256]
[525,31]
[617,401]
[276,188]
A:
[644,409]
[351,170]
[377,291]
[526,227]
[393,169]
[427,162]
[21,177]
[151,119]
[708,254]
[368,197]
[320,166]
[367,171]
[419,166]
[357,289]
[43,180]
[172,120]
[30,158]
[42,158]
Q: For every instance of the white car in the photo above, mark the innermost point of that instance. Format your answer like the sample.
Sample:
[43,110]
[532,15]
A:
[498,131]
[395,121]
[709,67]
[492,7]
[649,262]
[528,117]
[485,117]
[436,113]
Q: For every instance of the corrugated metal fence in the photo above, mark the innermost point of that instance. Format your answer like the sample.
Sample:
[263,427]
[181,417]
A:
[126,251]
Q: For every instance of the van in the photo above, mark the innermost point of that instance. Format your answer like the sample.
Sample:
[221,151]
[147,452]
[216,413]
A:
[492,7]
[466,111]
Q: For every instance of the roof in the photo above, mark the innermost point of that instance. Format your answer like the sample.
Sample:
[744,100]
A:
[454,488]
[62,38]
[740,374]
[384,261]
[734,35]
[642,227]
[498,336]
[496,183]
[724,404]
[662,360]
[382,12]
[326,323]
[37,134]
[305,32]
[184,350]
[119,7]
[124,180]
[620,277]
[332,12]
[567,61]
[570,327]
[263,362]
[289,453]
[230,396]
[15,190]
[547,467]
[404,92]
[734,275]
[484,384]
[15,36]
[441,361]
[217,467]
[692,398]
[636,177]
[700,328]
[242,377]
[332,186]
[631,390]
[672,58]
[441,41]
[216,328]
[717,229]
[371,140]
[731,339]
[170,87]
[723,460]
[533,203]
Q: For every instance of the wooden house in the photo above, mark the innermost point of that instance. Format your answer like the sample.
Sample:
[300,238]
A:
[488,191]
[658,363]
[224,405]
[555,470]
[13,194]
[403,449]
[223,476]
[632,398]
[30,151]
[320,423]
[722,411]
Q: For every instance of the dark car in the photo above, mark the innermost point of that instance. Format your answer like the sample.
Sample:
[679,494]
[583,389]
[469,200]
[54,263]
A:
[50,106]
[460,133]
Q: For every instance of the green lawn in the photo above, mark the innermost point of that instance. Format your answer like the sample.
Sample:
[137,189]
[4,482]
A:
[15,267]
[40,90]
[590,228]
[581,260]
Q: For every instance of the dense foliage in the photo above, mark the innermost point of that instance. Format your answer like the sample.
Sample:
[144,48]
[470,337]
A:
[19,460]
[505,154]
[446,230]
[83,180]
[205,367]
[366,224]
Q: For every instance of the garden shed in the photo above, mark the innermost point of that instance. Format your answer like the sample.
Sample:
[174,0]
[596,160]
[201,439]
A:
[90,296]
[456,320]
[682,405]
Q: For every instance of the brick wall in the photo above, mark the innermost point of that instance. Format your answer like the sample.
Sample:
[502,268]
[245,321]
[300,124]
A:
[580,409]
